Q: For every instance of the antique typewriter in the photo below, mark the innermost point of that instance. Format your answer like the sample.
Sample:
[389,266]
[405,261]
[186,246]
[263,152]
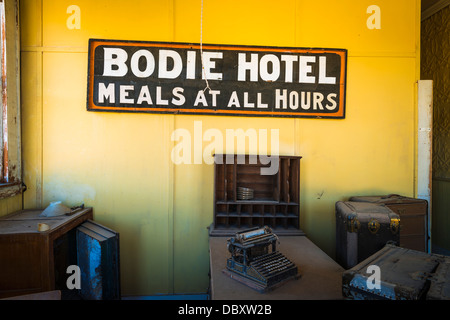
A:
[256,262]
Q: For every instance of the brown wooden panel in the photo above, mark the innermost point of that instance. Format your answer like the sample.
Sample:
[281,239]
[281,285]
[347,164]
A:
[412,225]
[21,264]
[409,209]
[414,242]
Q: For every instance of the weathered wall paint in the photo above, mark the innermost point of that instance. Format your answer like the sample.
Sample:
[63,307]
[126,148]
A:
[120,164]
[10,196]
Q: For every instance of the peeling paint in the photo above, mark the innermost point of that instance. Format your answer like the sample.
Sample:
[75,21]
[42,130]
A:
[10,189]
[4,173]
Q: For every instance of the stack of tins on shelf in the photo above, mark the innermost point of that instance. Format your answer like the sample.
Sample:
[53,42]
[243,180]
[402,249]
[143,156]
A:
[274,200]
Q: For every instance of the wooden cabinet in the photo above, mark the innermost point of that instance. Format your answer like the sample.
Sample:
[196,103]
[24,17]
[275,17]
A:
[275,201]
[33,261]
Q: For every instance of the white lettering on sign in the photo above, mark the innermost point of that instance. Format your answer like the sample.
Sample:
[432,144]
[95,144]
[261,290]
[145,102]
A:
[322,72]
[283,100]
[150,62]
[144,96]
[289,61]
[190,68]
[209,64]
[268,67]
[169,78]
[271,62]
[305,69]
[114,62]
[164,72]
[124,92]
[106,92]
[244,65]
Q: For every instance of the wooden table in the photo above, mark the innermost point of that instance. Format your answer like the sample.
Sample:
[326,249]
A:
[29,258]
[321,276]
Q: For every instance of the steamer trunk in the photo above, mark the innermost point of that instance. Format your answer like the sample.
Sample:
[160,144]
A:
[413,215]
[440,282]
[363,228]
[404,274]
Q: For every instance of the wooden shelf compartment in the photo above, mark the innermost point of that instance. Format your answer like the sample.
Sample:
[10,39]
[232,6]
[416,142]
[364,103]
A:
[275,202]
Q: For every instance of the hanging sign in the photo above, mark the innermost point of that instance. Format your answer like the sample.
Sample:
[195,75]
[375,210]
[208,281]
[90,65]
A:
[180,78]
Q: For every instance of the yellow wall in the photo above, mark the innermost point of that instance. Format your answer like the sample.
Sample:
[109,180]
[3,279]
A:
[120,164]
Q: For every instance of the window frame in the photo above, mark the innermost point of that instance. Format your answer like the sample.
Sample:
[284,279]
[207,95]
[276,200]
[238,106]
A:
[10,124]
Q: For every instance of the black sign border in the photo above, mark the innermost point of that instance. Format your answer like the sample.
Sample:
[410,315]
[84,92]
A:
[89,100]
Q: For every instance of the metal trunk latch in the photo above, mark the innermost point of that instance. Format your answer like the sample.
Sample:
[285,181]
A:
[353,224]
[395,225]
[373,226]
